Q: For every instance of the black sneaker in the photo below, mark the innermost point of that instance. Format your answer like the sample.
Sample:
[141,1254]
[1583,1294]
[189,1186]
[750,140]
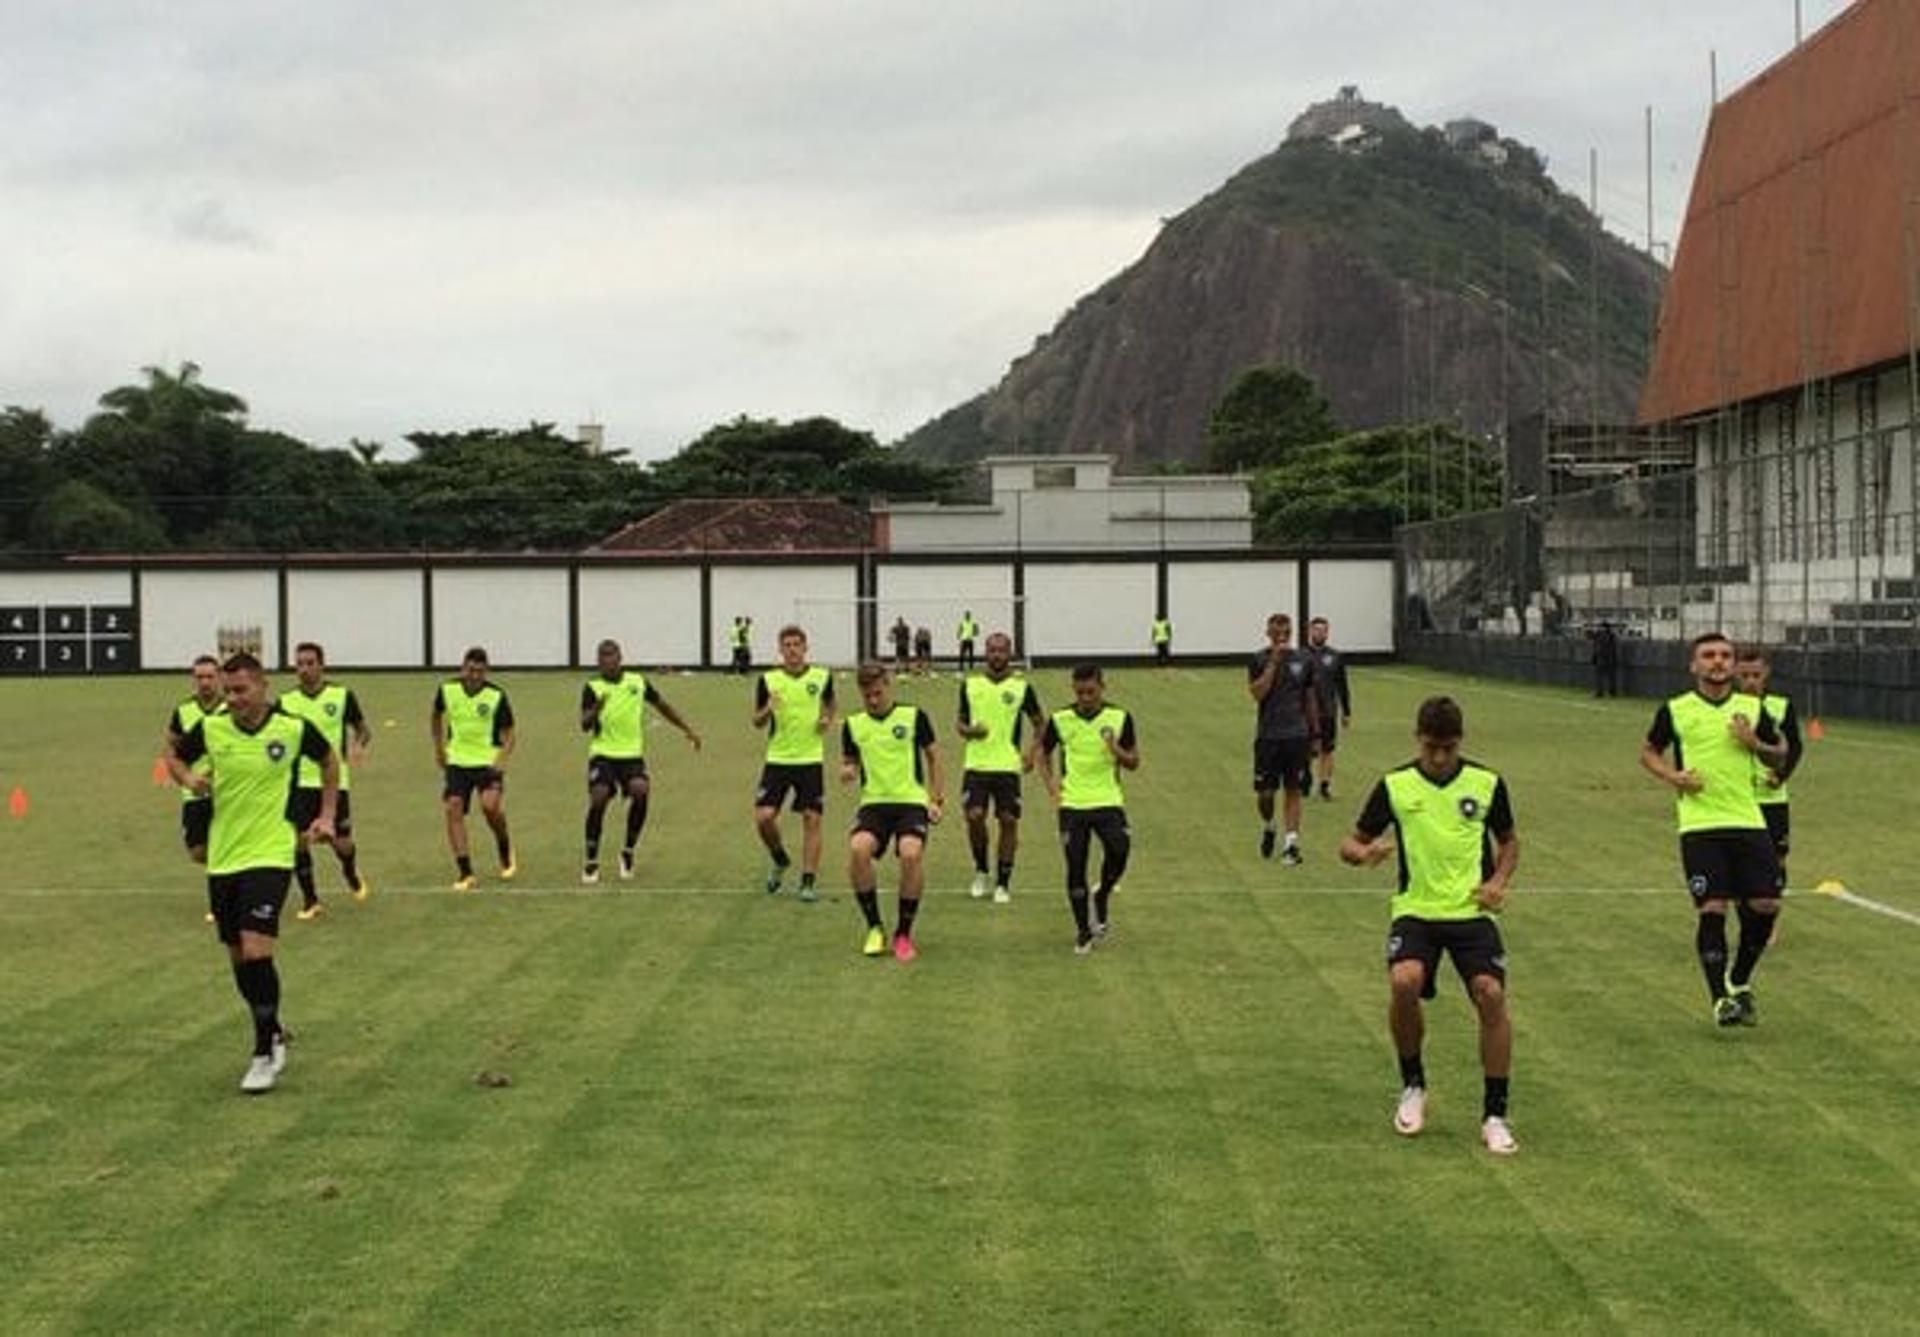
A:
[1266,844]
[1290,856]
[1745,1013]
[1326,790]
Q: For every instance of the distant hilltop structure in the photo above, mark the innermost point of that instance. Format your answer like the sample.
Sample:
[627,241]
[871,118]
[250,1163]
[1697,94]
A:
[1346,120]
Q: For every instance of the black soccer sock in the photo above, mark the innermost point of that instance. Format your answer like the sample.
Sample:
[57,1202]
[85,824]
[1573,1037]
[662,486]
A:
[596,823]
[1710,941]
[303,873]
[1756,931]
[978,840]
[1493,1103]
[781,859]
[350,869]
[465,864]
[908,909]
[259,984]
[1077,899]
[1412,1071]
[1102,896]
[503,845]
[1003,875]
[636,822]
[869,901]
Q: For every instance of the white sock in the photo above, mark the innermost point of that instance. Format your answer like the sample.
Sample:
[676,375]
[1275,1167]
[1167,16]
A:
[1293,838]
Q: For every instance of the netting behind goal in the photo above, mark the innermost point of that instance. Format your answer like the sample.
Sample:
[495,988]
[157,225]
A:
[866,622]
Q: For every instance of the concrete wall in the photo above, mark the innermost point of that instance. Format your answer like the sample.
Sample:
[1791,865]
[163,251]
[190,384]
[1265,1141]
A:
[518,615]
[181,613]
[819,597]
[1090,608]
[934,597]
[1222,607]
[362,619]
[1357,598]
[654,612]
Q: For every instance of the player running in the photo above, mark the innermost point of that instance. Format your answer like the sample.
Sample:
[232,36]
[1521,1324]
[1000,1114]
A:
[1286,697]
[472,726]
[1096,741]
[1754,671]
[335,711]
[613,713]
[890,749]
[794,704]
[1335,701]
[993,706]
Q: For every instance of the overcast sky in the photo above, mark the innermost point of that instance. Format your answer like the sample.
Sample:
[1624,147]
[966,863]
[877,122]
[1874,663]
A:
[369,217]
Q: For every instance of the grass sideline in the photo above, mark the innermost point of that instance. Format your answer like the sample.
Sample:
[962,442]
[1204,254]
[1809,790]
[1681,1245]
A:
[722,1118]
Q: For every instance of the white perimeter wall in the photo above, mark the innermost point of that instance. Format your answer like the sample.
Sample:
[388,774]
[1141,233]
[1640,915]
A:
[1092,608]
[1357,598]
[934,597]
[518,615]
[654,612]
[362,619]
[776,595]
[181,613]
[34,589]
[1222,607]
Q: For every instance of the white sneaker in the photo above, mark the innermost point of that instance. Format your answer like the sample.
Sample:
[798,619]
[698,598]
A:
[1498,1137]
[259,1075]
[590,875]
[626,865]
[979,887]
[1001,896]
[279,1055]
[1410,1115]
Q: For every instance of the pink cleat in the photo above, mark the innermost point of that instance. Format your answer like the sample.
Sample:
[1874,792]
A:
[903,948]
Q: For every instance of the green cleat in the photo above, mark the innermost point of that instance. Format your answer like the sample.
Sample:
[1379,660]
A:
[876,943]
[1726,1011]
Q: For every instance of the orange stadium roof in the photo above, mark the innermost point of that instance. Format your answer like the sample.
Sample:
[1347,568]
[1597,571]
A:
[1797,259]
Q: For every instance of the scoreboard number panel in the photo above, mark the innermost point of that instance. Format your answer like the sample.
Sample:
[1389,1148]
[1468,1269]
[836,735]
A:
[68,638]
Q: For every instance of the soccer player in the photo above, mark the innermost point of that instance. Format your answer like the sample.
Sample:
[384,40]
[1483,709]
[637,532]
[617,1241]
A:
[742,638]
[1330,678]
[335,711]
[250,754]
[966,633]
[206,698]
[1452,822]
[902,636]
[1716,733]
[890,749]
[1096,741]
[472,728]
[1162,634]
[923,650]
[794,704]
[613,712]
[1286,695]
[1754,670]
[993,705]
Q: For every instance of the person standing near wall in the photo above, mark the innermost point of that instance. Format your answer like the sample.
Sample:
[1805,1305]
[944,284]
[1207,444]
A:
[1286,700]
[1162,636]
[1335,701]
[741,638]
[473,735]
[965,634]
[335,711]
[1606,660]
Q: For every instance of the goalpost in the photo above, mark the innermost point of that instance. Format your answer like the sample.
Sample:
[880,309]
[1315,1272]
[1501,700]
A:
[865,622]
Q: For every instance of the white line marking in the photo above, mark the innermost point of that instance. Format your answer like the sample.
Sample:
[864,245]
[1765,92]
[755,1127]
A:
[1892,912]
[521,890]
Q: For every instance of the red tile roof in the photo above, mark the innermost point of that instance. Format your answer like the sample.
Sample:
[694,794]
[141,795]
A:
[747,524]
[1794,261]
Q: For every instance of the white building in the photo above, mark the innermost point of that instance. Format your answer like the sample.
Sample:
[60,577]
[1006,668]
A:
[1041,502]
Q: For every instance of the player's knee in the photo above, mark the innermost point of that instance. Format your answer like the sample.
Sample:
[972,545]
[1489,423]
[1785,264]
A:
[1407,979]
[1489,995]
[1764,905]
[911,851]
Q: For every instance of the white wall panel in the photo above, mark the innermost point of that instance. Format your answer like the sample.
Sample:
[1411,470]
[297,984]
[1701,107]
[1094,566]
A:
[181,613]
[519,615]
[653,611]
[36,589]
[819,596]
[362,619]
[1222,607]
[1357,598]
[934,597]
[1090,608]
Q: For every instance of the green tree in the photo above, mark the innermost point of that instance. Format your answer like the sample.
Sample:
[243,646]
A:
[76,516]
[1356,488]
[1267,412]
[760,457]
[25,470]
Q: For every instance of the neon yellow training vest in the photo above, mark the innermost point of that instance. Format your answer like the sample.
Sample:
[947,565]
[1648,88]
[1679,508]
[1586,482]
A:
[1090,777]
[1444,844]
[620,733]
[793,727]
[327,712]
[996,705]
[1704,744]
[253,777]
[468,721]
[890,770]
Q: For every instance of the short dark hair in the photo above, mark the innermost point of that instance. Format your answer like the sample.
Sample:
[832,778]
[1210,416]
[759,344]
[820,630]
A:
[1707,638]
[1440,719]
[243,662]
[608,644]
[1088,672]
[1753,653]
[205,659]
[314,646]
[792,629]
[871,672]
[1319,622]
[476,654]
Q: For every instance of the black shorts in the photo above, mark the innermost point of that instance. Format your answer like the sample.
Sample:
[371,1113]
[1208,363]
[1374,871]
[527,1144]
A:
[1729,865]
[1329,731]
[806,781]
[615,773]
[196,819]
[1002,788]
[1282,762]
[249,899]
[888,822]
[1779,828]
[462,781]
[1474,944]
[305,806]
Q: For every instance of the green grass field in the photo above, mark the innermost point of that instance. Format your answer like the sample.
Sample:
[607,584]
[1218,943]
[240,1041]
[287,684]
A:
[721,1117]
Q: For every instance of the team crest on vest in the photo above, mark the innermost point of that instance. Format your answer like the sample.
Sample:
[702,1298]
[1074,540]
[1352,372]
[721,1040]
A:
[1006,698]
[276,750]
[813,689]
[899,731]
[331,708]
[1469,807]
[483,710]
[1107,733]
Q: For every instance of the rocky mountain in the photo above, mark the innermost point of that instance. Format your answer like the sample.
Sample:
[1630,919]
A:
[1416,273]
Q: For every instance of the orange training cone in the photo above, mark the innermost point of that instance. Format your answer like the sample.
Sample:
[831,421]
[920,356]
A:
[161,775]
[1815,729]
[17,801]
